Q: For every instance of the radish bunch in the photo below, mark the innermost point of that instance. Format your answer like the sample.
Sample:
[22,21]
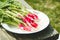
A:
[30,20]
[14,13]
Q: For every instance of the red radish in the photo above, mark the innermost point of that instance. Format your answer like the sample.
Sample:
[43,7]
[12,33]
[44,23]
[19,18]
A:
[28,19]
[24,20]
[34,16]
[27,28]
[24,28]
[21,26]
[31,15]
[35,25]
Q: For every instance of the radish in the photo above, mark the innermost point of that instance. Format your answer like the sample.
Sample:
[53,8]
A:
[34,16]
[35,25]
[21,26]
[27,28]
[28,19]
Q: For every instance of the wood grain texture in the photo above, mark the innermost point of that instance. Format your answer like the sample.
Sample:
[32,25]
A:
[5,36]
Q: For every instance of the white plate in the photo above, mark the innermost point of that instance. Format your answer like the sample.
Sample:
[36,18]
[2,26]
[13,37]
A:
[43,23]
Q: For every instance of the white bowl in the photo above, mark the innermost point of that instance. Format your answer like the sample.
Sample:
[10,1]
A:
[43,23]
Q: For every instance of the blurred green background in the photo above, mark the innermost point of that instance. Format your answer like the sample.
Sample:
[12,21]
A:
[49,7]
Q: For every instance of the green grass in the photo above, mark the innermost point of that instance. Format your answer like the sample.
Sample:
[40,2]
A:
[49,7]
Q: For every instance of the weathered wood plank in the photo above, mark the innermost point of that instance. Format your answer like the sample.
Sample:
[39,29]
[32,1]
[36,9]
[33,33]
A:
[5,36]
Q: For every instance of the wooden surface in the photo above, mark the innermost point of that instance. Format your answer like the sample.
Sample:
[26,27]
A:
[4,35]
